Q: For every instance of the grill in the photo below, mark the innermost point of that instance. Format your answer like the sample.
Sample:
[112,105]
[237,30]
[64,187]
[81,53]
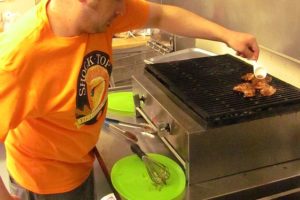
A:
[206,84]
[231,147]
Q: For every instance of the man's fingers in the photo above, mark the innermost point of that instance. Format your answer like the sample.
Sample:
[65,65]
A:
[254,48]
[249,52]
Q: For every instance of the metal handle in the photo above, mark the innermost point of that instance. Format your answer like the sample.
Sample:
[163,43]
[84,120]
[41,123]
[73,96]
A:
[126,134]
[147,130]
[130,125]
[146,118]
[135,148]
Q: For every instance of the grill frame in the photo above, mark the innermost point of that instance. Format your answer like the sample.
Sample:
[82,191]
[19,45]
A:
[228,159]
[222,106]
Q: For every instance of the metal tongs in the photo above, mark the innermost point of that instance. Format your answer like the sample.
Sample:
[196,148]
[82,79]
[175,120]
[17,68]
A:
[147,129]
[126,134]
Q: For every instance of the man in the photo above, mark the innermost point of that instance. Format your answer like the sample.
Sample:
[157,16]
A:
[54,76]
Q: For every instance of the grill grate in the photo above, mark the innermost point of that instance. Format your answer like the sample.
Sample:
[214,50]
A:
[206,86]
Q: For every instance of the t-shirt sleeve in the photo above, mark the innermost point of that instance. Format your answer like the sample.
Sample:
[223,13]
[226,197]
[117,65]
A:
[16,98]
[135,16]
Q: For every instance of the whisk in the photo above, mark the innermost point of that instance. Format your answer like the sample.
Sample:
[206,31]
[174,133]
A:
[158,172]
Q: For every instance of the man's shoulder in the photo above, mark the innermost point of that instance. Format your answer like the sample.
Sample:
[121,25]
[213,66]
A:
[20,39]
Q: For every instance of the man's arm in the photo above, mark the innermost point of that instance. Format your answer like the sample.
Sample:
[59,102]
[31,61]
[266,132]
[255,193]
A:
[182,22]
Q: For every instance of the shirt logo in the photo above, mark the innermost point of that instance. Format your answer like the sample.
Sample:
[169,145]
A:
[92,87]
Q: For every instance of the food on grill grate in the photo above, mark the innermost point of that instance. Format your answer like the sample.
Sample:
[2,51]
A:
[246,88]
[248,77]
[249,88]
[207,91]
[261,83]
[268,90]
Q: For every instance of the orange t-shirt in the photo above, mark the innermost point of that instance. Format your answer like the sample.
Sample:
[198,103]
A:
[53,94]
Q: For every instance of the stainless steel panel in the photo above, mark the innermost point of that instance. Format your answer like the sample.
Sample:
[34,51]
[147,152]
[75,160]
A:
[239,183]
[178,119]
[180,55]
[245,146]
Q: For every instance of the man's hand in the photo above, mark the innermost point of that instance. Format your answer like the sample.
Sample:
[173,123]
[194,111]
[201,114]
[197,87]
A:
[244,44]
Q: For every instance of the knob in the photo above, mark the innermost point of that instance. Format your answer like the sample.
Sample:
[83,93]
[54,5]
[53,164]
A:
[143,98]
[139,99]
[164,129]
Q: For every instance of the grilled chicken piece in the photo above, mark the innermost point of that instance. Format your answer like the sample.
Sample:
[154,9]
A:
[246,88]
[261,83]
[252,84]
[268,90]
[248,77]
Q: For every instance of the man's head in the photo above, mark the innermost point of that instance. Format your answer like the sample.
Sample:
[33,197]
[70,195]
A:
[97,15]
[73,17]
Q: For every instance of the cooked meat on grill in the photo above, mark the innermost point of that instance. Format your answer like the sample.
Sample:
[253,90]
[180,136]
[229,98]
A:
[252,84]
[261,83]
[268,90]
[242,86]
[246,88]
[248,77]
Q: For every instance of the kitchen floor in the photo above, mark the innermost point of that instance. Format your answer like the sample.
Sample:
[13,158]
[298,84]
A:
[101,186]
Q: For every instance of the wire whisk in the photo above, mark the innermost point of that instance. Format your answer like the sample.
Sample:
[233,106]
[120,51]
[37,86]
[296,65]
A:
[158,172]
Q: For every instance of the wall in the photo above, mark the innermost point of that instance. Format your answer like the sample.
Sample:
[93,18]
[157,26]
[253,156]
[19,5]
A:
[274,23]
[17,7]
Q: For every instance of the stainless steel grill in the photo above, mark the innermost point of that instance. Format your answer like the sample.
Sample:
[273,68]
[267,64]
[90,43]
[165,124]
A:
[247,150]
